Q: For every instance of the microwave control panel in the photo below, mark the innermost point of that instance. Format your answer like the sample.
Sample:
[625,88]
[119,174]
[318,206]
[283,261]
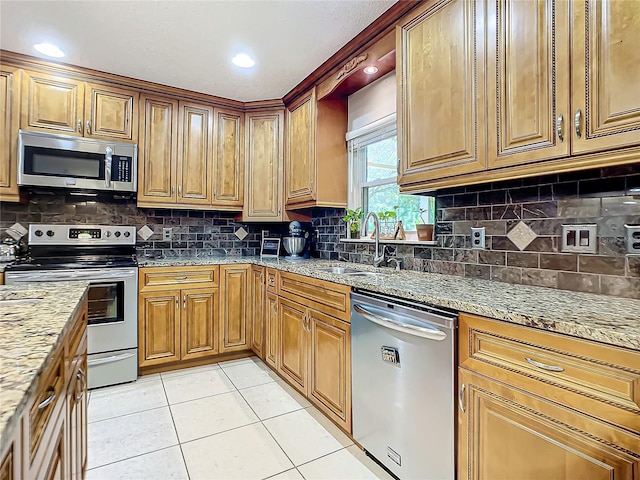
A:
[121,168]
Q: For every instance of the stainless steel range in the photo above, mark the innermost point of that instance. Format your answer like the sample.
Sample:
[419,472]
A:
[105,257]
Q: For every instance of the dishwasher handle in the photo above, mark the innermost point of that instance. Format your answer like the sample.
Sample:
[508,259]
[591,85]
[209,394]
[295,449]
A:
[428,333]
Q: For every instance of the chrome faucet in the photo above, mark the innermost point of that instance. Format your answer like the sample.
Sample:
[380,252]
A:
[379,257]
[397,261]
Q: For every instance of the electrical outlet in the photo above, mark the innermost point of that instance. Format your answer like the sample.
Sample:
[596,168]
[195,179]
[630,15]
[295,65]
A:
[580,238]
[632,238]
[477,237]
[166,233]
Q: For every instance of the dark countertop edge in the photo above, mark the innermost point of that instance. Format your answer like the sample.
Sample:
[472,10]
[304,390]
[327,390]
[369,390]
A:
[7,433]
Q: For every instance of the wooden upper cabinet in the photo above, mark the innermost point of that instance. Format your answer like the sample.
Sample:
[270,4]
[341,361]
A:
[9,124]
[228,169]
[158,150]
[300,161]
[264,157]
[111,113]
[52,104]
[529,114]
[316,166]
[605,75]
[440,65]
[195,151]
[234,333]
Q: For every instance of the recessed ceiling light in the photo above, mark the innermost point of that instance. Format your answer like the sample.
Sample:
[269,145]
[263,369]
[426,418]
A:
[49,50]
[370,70]
[243,60]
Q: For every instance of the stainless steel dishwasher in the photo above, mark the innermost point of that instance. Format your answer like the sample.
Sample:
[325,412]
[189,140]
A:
[402,359]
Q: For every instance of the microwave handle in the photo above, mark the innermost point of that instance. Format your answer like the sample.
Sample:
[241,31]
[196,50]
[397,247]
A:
[107,166]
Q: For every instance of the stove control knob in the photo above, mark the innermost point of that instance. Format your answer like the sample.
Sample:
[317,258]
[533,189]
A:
[117,234]
[38,233]
[127,234]
[50,233]
[107,234]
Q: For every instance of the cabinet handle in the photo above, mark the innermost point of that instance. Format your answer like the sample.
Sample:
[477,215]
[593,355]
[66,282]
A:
[79,126]
[576,122]
[173,190]
[544,366]
[88,130]
[47,401]
[183,277]
[184,301]
[177,307]
[215,193]
[559,127]
[180,190]
[461,398]
[80,377]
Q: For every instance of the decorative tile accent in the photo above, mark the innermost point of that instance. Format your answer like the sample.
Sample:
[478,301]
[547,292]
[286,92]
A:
[17,231]
[521,235]
[145,232]
[241,233]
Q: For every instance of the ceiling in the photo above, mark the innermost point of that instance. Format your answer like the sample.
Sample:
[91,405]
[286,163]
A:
[189,44]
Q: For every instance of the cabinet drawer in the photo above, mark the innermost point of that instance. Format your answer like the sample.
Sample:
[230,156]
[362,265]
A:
[272,280]
[326,297]
[46,402]
[162,278]
[597,379]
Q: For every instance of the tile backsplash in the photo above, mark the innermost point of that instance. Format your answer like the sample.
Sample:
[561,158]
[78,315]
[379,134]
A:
[542,204]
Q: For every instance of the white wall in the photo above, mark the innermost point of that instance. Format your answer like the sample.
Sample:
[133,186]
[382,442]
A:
[373,102]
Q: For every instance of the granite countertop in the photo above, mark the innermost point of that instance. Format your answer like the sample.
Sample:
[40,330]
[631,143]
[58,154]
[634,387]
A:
[29,336]
[602,318]
[3,265]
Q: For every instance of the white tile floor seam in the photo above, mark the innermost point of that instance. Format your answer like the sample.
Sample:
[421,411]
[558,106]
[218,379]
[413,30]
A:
[236,419]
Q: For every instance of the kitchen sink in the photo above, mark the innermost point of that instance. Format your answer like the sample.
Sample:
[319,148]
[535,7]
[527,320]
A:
[351,272]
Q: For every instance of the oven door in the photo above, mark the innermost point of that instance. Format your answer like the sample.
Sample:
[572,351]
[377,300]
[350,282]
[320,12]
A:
[112,306]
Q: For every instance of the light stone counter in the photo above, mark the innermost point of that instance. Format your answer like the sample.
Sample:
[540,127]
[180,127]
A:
[607,319]
[29,336]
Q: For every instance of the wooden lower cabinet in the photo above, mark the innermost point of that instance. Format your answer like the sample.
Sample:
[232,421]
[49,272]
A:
[271,331]
[257,292]
[234,333]
[199,336]
[508,433]
[159,327]
[314,356]
[55,466]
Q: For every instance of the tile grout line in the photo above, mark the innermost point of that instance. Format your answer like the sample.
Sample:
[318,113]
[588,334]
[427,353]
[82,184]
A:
[184,460]
[134,456]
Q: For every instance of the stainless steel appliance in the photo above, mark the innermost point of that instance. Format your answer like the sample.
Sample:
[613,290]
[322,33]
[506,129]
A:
[403,380]
[296,244]
[48,160]
[105,257]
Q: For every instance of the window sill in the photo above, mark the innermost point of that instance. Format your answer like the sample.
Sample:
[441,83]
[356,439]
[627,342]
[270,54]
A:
[408,241]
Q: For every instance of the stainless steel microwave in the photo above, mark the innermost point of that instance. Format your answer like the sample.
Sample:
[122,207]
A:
[49,160]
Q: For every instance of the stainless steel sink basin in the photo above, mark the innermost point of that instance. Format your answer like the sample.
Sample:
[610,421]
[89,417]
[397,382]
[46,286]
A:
[351,272]
[366,274]
[18,301]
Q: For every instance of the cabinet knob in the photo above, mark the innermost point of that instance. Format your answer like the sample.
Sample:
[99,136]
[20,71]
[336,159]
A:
[88,130]
[577,122]
[79,126]
[559,127]
[461,398]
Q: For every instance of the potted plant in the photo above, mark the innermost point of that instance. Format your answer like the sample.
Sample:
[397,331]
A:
[387,221]
[423,228]
[353,218]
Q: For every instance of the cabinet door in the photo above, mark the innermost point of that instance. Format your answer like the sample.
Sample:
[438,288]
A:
[330,375]
[300,164]
[264,167]
[272,330]
[111,113]
[54,465]
[9,124]
[605,75]
[293,346]
[199,323]
[529,116]
[52,104]
[228,170]
[77,420]
[440,65]
[507,433]
[233,308]
[158,327]
[257,313]
[195,154]
[158,150]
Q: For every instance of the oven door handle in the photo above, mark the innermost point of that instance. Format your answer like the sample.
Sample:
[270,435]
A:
[103,274]
[428,333]
[111,359]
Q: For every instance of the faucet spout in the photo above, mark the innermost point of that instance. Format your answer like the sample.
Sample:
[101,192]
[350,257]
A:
[378,258]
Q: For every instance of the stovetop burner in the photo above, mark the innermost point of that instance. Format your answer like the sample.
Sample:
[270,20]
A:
[73,262]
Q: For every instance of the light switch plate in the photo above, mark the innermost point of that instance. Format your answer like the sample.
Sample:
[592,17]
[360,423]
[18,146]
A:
[579,238]
[632,238]
[477,237]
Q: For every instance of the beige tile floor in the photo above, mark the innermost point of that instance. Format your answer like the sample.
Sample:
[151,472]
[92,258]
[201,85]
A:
[233,420]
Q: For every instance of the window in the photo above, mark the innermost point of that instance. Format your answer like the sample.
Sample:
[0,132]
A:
[373,159]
